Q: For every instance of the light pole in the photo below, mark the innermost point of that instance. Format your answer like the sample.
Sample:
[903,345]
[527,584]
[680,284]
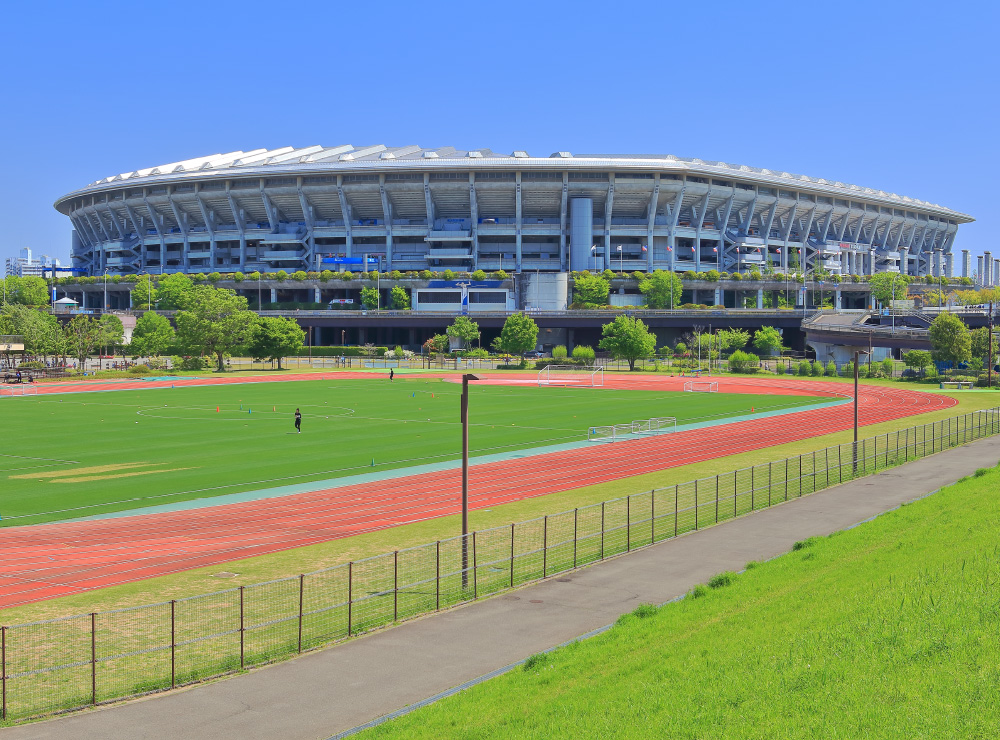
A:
[621,260]
[465,477]
[593,252]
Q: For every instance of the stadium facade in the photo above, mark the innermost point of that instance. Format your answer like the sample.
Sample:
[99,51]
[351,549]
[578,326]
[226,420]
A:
[412,208]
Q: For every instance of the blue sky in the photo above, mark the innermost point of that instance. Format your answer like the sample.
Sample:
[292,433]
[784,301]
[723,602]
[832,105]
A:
[896,96]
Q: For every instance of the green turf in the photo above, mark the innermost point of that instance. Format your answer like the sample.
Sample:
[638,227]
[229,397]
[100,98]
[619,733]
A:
[76,455]
[888,630]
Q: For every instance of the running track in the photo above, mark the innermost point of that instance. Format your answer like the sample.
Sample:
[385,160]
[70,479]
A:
[50,560]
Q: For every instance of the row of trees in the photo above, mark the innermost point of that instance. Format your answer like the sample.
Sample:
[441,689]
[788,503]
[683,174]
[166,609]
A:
[45,337]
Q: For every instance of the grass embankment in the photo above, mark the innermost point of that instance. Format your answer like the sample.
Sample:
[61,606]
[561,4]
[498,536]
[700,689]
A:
[327,554]
[888,630]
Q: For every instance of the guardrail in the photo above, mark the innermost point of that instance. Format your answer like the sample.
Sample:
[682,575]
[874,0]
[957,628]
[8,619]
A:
[89,659]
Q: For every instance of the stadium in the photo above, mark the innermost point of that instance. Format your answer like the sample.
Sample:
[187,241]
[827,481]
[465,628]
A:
[412,208]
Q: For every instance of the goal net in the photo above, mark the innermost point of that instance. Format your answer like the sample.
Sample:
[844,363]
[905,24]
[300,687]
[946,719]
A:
[701,386]
[655,425]
[584,375]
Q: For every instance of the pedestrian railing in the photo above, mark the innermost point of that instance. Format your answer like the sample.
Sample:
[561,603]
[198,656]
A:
[85,660]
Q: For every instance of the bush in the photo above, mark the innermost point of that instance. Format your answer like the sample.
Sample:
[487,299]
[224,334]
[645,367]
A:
[139,370]
[608,275]
[847,370]
[722,580]
[639,276]
[805,367]
[426,274]
[736,276]
[214,277]
[500,275]
[831,369]
[479,275]
[583,352]
[887,367]
[712,276]
[395,275]
[374,276]
[327,275]
[189,363]
[448,275]
[817,369]
[559,352]
[281,275]
[699,591]
[32,364]
[479,353]
[346,275]
[744,362]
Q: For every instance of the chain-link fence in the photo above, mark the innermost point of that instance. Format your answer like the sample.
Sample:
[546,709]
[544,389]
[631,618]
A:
[61,664]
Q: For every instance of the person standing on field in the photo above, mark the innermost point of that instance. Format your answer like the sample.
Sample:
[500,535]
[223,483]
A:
[298,421]
[392,374]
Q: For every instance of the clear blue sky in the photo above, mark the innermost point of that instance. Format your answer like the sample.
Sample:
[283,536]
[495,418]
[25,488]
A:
[898,96]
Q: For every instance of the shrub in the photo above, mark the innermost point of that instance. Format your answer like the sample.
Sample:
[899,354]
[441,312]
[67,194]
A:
[448,275]
[214,277]
[479,275]
[559,352]
[699,591]
[312,275]
[639,276]
[712,275]
[887,367]
[396,275]
[140,370]
[479,353]
[722,580]
[755,275]
[736,276]
[806,543]
[817,368]
[500,275]
[743,362]
[374,276]
[281,275]
[239,277]
[805,367]
[254,275]
[583,352]
[689,275]
[326,275]
[346,275]
[608,275]
[426,275]
[847,370]
[644,611]
[32,364]
[831,369]
[198,277]
[189,363]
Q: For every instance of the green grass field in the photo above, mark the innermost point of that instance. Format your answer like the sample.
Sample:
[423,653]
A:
[76,455]
[888,630]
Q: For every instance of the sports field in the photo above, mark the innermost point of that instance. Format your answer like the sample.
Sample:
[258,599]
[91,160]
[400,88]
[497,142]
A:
[74,455]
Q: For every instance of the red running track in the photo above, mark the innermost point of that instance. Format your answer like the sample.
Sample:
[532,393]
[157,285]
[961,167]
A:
[50,560]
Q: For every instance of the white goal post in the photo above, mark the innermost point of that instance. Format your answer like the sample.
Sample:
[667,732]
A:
[584,375]
[22,389]
[701,386]
[656,425]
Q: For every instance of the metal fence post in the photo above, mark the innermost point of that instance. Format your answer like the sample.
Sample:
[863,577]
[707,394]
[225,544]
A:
[786,479]
[652,517]
[512,554]
[628,523]
[350,595]
[437,573]
[3,672]
[475,579]
[752,507]
[302,583]
[716,499]
[93,658]
[575,516]
[675,510]
[695,504]
[602,530]
[395,585]
[242,640]
[173,643]
[545,545]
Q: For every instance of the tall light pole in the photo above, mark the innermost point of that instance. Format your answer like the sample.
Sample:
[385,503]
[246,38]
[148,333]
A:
[465,476]
[593,253]
[857,359]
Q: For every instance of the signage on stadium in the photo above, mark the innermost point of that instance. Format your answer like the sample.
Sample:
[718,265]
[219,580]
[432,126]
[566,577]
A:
[349,260]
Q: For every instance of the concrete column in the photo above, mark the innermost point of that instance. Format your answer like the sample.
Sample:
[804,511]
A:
[317,298]
[274,295]
[760,298]
[837,299]
[718,297]
[904,260]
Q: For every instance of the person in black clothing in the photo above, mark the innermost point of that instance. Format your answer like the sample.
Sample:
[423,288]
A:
[392,374]
[298,421]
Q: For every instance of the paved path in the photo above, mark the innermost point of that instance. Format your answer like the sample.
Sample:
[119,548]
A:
[327,692]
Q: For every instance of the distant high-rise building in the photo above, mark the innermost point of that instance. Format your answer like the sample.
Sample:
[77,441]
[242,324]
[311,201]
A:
[25,266]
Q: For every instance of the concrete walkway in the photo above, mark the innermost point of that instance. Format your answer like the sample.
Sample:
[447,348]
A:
[321,694]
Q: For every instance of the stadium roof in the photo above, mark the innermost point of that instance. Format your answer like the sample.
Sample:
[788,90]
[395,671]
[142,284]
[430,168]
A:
[313,159]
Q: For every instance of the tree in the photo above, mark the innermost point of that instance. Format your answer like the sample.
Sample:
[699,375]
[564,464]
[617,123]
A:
[151,336]
[400,298]
[888,286]
[936,297]
[662,289]
[110,332]
[173,291]
[464,329]
[732,339]
[144,293]
[437,343]
[369,297]
[980,346]
[39,329]
[27,291]
[81,338]
[917,359]
[214,322]
[950,339]
[274,338]
[519,334]
[590,291]
[767,339]
[968,297]
[627,338]
[743,362]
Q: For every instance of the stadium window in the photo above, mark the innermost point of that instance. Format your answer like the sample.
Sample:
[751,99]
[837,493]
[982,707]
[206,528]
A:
[765,191]
[722,183]
[786,194]
[439,297]
[696,179]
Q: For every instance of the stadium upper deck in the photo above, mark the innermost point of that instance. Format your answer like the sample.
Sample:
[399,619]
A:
[414,208]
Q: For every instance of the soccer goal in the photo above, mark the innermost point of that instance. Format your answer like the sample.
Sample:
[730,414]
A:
[640,426]
[583,375]
[22,389]
[701,386]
